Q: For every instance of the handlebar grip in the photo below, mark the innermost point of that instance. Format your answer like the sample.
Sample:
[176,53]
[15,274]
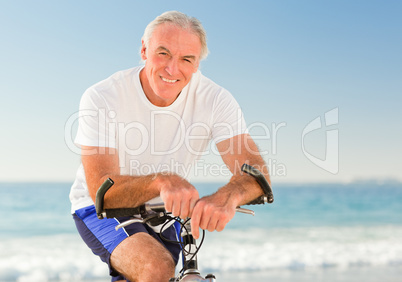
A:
[268,196]
[100,195]
[261,200]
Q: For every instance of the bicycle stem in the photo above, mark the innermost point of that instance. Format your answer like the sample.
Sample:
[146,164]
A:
[189,250]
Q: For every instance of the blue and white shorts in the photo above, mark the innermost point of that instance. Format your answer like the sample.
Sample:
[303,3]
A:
[102,238]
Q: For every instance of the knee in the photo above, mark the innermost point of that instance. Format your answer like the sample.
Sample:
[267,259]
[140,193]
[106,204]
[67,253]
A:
[161,268]
[142,258]
[150,270]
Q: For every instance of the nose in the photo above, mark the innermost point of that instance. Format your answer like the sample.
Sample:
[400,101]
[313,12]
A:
[172,67]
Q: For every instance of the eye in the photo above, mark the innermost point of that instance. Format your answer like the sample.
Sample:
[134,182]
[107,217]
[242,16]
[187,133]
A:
[188,60]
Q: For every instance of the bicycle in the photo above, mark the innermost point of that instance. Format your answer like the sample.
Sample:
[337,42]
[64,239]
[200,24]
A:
[155,214]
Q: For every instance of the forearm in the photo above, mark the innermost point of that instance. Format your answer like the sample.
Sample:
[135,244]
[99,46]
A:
[243,188]
[132,191]
[129,191]
[215,211]
[177,193]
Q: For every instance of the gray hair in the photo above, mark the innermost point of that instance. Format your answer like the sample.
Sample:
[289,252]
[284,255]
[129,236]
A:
[181,20]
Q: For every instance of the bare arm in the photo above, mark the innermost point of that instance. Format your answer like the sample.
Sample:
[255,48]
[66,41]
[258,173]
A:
[242,186]
[215,211]
[132,191]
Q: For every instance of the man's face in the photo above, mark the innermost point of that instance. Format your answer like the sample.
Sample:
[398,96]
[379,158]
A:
[172,57]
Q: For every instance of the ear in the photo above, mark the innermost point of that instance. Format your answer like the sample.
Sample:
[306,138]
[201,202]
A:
[143,51]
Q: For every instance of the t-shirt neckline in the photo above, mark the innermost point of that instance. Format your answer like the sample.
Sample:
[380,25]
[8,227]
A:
[146,101]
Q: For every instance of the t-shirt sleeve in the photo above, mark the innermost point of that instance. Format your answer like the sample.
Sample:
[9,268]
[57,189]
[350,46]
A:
[95,122]
[228,119]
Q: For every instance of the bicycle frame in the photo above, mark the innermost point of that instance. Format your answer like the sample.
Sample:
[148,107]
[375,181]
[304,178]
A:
[190,270]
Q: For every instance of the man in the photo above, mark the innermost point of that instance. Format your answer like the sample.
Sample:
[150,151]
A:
[158,118]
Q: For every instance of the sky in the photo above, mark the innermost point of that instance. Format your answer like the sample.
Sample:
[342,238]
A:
[319,82]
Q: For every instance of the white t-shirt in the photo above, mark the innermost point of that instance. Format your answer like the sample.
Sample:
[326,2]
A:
[116,113]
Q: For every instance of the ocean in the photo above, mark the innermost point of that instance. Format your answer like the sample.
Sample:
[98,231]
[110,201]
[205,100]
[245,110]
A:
[320,232]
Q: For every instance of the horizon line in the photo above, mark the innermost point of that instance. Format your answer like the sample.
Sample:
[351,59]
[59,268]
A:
[378,181]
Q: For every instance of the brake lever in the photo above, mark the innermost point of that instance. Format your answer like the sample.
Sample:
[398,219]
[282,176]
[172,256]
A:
[128,222]
[246,211]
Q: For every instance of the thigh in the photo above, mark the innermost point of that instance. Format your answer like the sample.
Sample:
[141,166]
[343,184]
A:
[141,257]
[103,239]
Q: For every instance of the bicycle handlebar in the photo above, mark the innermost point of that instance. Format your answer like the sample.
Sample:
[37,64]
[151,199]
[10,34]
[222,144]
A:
[267,197]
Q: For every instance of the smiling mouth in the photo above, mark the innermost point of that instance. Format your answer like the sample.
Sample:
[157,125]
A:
[169,80]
